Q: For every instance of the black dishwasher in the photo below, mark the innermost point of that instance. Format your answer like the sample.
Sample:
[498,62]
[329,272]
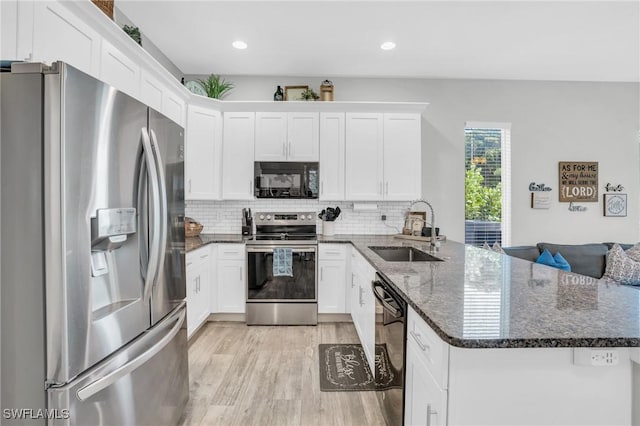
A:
[391,319]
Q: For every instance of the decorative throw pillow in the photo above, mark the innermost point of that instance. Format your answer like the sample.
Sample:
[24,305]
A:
[634,252]
[621,267]
[561,262]
[546,259]
[497,248]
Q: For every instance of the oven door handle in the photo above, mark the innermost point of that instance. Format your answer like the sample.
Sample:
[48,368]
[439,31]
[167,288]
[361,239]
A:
[269,249]
[378,292]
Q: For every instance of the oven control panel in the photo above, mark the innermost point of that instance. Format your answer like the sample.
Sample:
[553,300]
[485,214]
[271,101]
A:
[289,218]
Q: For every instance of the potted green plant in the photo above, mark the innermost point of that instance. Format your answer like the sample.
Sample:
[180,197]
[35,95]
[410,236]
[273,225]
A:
[133,32]
[216,87]
[309,95]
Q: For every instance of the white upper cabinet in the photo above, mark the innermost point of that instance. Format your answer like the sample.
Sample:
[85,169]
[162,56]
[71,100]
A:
[118,70]
[332,152]
[174,107]
[59,35]
[151,90]
[271,136]
[282,136]
[303,136]
[402,177]
[383,156]
[364,159]
[237,155]
[202,158]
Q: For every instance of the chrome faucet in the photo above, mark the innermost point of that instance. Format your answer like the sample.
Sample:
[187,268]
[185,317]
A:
[433,239]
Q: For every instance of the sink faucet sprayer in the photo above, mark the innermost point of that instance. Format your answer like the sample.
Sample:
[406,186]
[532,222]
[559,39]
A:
[433,243]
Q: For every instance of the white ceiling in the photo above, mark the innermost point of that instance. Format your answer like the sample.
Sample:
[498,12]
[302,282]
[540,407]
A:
[573,40]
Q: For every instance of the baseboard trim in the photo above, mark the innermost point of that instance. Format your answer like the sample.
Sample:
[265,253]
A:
[242,318]
[227,317]
[334,318]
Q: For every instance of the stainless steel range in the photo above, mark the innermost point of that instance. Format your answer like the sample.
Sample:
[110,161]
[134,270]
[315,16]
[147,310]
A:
[282,270]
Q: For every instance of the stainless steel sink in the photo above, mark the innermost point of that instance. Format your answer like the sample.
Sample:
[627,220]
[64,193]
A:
[404,254]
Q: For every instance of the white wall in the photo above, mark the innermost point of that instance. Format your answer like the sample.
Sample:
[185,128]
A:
[551,122]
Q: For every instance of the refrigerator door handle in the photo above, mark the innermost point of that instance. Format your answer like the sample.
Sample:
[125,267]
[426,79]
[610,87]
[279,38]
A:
[104,382]
[163,204]
[154,251]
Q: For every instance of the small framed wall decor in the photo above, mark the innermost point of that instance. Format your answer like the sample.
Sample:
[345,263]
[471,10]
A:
[294,93]
[540,200]
[615,205]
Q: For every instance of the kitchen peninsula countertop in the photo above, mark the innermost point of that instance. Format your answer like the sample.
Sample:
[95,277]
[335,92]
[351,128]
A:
[478,298]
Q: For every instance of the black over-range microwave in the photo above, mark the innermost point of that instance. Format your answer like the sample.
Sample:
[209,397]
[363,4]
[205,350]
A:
[286,179]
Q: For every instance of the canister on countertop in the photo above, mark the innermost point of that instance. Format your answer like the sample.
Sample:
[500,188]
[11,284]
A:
[326,91]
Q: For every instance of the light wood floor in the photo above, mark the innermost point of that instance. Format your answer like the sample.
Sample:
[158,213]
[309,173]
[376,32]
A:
[267,375]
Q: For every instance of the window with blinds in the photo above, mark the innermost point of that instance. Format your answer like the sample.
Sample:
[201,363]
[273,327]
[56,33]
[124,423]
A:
[487,183]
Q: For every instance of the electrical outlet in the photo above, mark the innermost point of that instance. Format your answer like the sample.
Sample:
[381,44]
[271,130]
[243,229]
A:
[384,217]
[606,357]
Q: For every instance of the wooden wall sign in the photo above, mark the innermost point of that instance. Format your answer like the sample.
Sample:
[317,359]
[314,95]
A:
[578,181]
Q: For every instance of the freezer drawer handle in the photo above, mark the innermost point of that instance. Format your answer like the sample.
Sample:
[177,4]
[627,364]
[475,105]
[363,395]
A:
[106,381]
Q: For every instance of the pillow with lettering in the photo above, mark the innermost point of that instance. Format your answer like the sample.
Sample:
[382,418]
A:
[621,267]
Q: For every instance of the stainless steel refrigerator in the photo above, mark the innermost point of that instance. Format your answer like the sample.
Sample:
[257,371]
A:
[92,246]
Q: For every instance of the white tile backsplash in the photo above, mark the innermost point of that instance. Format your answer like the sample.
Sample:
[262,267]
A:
[225,217]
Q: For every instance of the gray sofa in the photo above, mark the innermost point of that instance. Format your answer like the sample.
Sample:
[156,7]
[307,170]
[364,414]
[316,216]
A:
[585,259]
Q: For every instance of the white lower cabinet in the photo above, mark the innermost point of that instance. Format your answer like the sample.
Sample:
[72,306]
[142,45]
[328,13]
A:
[509,386]
[425,401]
[332,278]
[363,304]
[198,263]
[231,278]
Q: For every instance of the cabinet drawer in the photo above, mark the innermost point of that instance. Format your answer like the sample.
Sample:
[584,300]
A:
[332,251]
[231,251]
[198,256]
[431,348]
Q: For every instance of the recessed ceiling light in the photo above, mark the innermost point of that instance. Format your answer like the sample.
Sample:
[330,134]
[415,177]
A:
[239,44]
[388,45]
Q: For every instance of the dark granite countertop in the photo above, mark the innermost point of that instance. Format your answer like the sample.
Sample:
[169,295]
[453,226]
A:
[481,299]
[477,298]
[194,243]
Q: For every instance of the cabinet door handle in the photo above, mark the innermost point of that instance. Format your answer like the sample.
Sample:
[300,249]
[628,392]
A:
[386,189]
[332,252]
[360,291]
[240,269]
[352,281]
[322,187]
[321,274]
[204,256]
[380,191]
[289,152]
[430,412]
[190,186]
[250,187]
[284,149]
[418,339]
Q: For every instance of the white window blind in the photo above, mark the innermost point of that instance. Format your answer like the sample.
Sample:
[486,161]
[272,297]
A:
[487,183]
